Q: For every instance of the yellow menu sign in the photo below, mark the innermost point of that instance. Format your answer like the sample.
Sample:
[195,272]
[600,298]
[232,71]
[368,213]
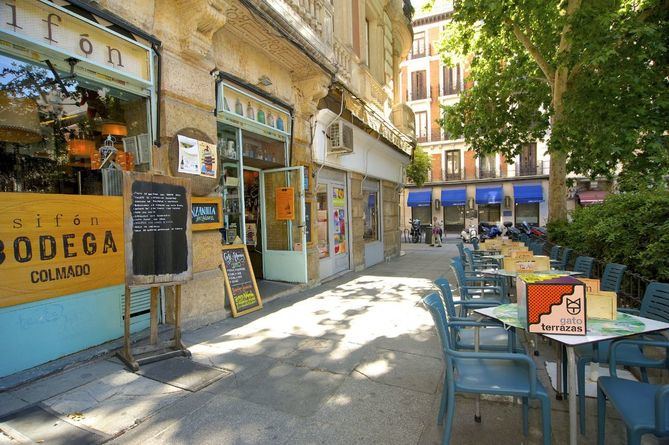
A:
[54,245]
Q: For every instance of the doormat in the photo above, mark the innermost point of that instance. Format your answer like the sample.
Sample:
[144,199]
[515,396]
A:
[183,373]
[39,424]
[590,378]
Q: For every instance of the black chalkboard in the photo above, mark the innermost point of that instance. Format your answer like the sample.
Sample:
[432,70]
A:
[157,233]
[307,220]
[240,281]
[205,213]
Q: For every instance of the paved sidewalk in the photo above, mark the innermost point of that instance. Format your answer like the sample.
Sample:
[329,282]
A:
[355,361]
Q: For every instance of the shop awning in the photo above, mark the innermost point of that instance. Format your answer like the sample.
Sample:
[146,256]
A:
[453,197]
[489,195]
[529,193]
[589,197]
[419,198]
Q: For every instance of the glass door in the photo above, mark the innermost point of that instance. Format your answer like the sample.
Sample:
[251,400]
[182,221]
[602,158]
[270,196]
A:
[284,248]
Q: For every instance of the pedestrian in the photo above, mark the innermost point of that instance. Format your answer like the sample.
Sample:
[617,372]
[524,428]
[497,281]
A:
[436,232]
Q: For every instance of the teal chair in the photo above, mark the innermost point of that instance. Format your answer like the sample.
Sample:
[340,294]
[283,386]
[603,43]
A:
[563,261]
[655,305]
[499,373]
[474,285]
[584,265]
[554,253]
[612,278]
[644,408]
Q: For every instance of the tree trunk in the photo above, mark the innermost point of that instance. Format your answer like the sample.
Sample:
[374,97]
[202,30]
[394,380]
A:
[557,180]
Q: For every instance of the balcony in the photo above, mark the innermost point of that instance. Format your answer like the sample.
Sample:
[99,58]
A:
[542,168]
[343,60]
[403,119]
[487,174]
[453,176]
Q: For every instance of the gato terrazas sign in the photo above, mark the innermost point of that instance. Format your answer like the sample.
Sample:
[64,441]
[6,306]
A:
[54,245]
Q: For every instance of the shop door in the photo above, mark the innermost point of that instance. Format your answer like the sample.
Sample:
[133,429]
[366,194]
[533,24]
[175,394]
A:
[454,219]
[284,250]
[332,228]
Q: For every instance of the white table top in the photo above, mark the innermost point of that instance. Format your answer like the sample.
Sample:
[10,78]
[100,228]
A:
[598,329]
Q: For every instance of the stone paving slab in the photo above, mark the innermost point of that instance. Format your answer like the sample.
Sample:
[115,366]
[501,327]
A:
[9,402]
[327,355]
[183,373]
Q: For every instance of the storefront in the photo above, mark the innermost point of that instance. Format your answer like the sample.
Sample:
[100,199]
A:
[420,202]
[527,201]
[332,221]
[489,201]
[77,107]
[263,198]
[453,202]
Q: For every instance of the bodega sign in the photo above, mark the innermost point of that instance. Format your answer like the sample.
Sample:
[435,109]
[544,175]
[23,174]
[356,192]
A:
[55,245]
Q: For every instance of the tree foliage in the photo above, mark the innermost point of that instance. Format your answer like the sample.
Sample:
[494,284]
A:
[628,228]
[418,168]
[589,76]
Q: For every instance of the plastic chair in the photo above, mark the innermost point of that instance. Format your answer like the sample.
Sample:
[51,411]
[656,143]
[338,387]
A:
[461,249]
[476,244]
[612,277]
[537,248]
[473,285]
[643,407]
[655,305]
[563,261]
[584,265]
[492,338]
[554,253]
[484,373]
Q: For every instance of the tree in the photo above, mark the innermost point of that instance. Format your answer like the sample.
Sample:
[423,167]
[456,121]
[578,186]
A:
[418,167]
[589,76]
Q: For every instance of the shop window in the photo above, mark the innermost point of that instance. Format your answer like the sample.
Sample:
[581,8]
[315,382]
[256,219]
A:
[371,202]
[58,130]
[424,214]
[454,218]
[262,152]
[489,213]
[322,221]
[528,213]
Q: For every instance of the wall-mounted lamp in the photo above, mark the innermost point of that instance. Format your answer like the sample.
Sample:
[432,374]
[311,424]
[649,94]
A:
[264,81]
[470,204]
[507,202]
[437,204]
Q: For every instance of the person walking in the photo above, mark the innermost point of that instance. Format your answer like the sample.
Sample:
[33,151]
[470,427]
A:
[436,232]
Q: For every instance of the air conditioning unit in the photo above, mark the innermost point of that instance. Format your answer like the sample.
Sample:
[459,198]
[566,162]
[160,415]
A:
[340,138]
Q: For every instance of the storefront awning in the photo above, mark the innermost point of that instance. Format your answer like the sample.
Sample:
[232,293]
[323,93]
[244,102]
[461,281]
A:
[529,193]
[453,197]
[489,195]
[419,198]
[589,197]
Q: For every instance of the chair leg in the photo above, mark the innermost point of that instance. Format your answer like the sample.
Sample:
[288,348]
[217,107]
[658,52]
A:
[450,413]
[526,412]
[546,419]
[633,437]
[644,375]
[442,404]
[564,371]
[580,377]
[601,416]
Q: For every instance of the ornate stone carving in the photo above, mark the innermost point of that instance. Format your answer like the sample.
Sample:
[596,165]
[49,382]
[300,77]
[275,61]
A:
[200,19]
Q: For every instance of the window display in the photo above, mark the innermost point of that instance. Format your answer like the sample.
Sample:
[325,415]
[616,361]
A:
[339,221]
[322,222]
[371,232]
[58,129]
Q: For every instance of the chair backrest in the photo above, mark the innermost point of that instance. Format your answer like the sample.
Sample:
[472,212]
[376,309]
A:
[459,270]
[612,277]
[447,296]
[461,249]
[470,256]
[584,265]
[524,237]
[475,244]
[435,305]
[655,303]
[564,260]
[537,248]
[554,253]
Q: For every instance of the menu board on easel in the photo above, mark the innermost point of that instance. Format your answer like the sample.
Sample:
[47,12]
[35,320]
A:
[240,281]
[157,229]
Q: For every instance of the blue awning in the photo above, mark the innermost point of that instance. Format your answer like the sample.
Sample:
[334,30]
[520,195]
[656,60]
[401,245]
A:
[419,198]
[530,193]
[489,195]
[453,197]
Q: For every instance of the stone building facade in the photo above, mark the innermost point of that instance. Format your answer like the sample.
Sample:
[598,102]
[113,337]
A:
[269,80]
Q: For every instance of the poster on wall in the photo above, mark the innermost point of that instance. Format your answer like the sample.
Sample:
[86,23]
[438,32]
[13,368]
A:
[338,197]
[251,234]
[285,203]
[189,155]
[208,159]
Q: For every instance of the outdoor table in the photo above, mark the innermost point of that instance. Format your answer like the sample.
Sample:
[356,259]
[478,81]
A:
[509,274]
[598,330]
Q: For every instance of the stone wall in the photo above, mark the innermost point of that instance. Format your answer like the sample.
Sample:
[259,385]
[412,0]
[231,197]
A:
[357,223]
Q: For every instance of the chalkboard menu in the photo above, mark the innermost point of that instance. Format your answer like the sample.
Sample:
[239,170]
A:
[157,229]
[240,281]
[206,213]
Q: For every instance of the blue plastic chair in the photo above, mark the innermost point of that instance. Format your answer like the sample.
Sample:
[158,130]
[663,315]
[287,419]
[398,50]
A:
[644,408]
[537,248]
[584,265]
[473,285]
[484,373]
[491,338]
[461,250]
[563,261]
[612,277]
[554,253]
[655,305]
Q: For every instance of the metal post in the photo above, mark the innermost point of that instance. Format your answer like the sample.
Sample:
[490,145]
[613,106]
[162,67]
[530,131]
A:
[571,379]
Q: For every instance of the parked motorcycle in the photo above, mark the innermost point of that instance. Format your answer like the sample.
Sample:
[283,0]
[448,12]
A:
[489,231]
[469,234]
[415,232]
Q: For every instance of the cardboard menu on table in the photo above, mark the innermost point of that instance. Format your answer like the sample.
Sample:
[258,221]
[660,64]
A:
[240,281]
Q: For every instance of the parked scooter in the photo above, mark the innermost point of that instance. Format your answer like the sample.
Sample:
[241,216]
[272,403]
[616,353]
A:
[488,231]
[415,232]
[469,234]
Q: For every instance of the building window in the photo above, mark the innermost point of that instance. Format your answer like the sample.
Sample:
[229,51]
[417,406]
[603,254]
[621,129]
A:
[452,80]
[528,213]
[421,126]
[52,132]
[418,49]
[487,166]
[418,85]
[452,165]
[528,161]
[371,202]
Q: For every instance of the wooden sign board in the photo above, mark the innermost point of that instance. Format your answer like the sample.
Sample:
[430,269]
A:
[158,247]
[55,245]
[285,203]
[240,282]
[206,214]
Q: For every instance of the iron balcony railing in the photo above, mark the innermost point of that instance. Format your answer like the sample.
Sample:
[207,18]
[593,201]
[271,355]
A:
[542,168]
[486,174]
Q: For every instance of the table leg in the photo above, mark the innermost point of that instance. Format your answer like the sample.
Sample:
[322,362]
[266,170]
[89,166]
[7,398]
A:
[571,380]
[558,371]
[477,342]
